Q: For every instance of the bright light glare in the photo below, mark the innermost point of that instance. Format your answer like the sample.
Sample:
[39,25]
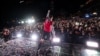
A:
[94,13]
[22,22]
[30,21]
[34,37]
[90,52]
[92,44]
[56,40]
[19,35]
[87,15]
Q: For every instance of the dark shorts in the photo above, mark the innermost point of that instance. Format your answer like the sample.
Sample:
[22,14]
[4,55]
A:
[46,35]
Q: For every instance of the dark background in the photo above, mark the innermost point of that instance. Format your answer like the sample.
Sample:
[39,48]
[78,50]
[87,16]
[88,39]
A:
[13,10]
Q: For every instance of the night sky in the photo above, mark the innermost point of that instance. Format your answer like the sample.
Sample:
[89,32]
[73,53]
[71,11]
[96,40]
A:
[19,9]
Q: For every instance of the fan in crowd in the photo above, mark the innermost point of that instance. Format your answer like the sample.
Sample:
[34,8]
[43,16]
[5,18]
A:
[76,30]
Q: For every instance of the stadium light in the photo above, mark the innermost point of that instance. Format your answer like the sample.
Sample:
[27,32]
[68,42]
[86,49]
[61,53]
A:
[34,37]
[56,40]
[92,44]
[19,35]
[29,21]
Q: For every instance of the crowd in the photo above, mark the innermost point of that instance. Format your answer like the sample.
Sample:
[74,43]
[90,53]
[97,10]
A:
[76,30]
[67,29]
[18,47]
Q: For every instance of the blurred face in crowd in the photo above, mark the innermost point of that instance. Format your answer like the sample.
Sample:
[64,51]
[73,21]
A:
[76,27]
[89,28]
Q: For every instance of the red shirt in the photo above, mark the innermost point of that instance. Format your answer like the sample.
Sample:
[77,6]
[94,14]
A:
[47,25]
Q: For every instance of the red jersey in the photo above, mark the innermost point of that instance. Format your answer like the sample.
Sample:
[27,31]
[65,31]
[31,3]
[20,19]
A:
[47,25]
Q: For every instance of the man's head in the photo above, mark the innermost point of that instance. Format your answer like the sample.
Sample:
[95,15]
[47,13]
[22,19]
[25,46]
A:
[46,20]
[49,18]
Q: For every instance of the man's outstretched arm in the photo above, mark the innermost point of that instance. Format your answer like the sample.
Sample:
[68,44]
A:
[48,13]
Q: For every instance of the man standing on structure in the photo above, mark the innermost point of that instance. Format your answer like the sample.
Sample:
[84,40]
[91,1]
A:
[47,27]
